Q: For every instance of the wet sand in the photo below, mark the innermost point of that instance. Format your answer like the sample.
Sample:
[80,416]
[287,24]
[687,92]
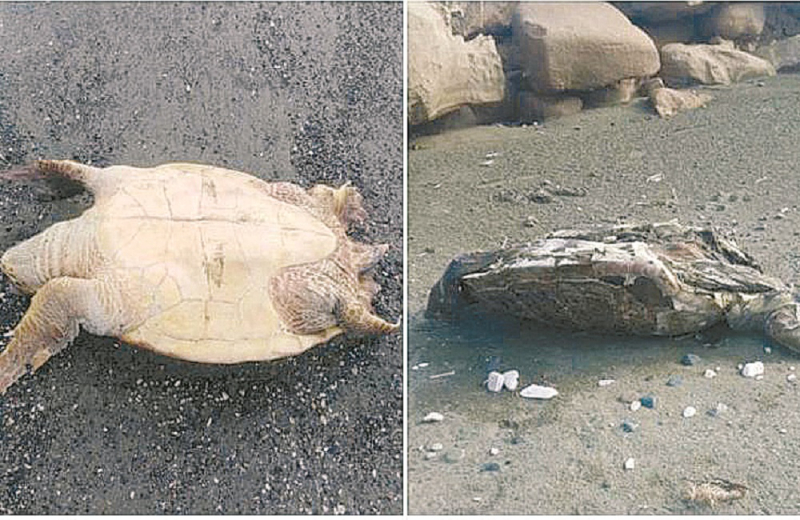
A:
[734,165]
[289,91]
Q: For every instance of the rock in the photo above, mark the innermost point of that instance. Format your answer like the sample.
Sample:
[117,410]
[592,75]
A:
[538,392]
[753,369]
[689,411]
[454,456]
[444,71]
[767,350]
[436,446]
[791,377]
[635,405]
[430,455]
[718,409]
[490,466]
[675,380]
[710,374]
[735,20]
[471,18]
[783,54]
[667,101]
[662,12]
[649,401]
[630,463]
[511,380]
[495,382]
[710,64]
[494,451]
[580,46]
[433,417]
[539,107]
[606,382]
[629,426]
[690,360]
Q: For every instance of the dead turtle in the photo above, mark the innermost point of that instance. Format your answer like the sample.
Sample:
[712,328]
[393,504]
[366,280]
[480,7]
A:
[654,279]
[195,262]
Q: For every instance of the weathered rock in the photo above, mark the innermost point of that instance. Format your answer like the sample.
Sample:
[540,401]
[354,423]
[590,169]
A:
[675,380]
[511,380]
[444,71]
[710,64]
[580,46]
[494,382]
[471,18]
[630,463]
[753,369]
[735,20]
[538,392]
[536,107]
[668,101]
[661,12]
[782,54]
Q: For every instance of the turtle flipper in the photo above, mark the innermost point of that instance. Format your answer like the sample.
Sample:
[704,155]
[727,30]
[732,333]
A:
[357,317]
[52,321]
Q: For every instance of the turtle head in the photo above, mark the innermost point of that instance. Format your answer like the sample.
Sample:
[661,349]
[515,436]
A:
[344,202]
[447,296]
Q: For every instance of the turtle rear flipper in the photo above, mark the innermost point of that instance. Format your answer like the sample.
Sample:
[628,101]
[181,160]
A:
[783,326]
[53,320]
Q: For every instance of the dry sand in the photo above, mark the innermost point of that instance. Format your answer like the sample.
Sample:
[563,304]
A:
[734,165]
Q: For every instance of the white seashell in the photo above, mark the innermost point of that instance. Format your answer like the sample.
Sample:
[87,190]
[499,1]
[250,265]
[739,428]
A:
[511,379]
[538,392]
[689,411]
[635,405]
[433,417]
[753,369]
[495,382]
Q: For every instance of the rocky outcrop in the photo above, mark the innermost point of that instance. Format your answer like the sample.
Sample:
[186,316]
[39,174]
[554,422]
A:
[782,54]
[444,71]
[710,64]
[579,46]
[471,18]
[735,21]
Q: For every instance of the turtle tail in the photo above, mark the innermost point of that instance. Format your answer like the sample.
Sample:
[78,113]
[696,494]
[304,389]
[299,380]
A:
[59,171]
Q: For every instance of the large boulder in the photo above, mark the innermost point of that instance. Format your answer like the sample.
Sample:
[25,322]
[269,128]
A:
[445,72]
[735,20]
[782,54]
[683,64]
[580,46]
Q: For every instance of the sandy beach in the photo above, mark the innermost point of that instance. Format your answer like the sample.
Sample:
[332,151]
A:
[732,165]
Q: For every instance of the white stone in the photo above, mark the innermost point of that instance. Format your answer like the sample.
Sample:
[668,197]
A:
[630,463]
[791,377]
[605,382]
[768,350]
[538,392]
[689,411]
[436,446]
[710,64]
[494,451]
[511,379]
[753,369]
[433,417]
[710,373]
[635,405]
[495,382]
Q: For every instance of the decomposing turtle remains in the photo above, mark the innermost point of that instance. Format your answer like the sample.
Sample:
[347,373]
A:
[195,262]
[659,279]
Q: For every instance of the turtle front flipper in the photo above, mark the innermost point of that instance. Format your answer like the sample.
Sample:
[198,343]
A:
[53,320]
[783,326]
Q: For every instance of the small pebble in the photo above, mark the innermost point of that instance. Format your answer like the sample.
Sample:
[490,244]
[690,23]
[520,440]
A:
[649,401]
[635,405]
[538,392]
[791,377]
[690,360]
[720,408]
[675,381]
[433,417]
[453,456]
[476,499]
[430,455]
[759,377]
[689,411]
[768,350]
[495,382]
[753,369]
[436,446]
[494,451]
[629,426]
[783,431]
[630,463]
[709,373]
[511,380]
[605,382]
[791,368]
[490,466]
